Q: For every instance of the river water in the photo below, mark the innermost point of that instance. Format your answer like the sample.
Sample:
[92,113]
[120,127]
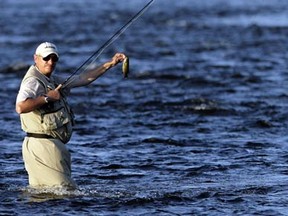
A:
[198,128]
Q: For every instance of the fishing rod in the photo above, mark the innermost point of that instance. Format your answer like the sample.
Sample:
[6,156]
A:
[111,40]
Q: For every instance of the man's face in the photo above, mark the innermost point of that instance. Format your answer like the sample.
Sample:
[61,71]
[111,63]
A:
[46,65]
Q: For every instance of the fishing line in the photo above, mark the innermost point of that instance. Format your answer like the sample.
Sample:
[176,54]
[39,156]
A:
[97,53]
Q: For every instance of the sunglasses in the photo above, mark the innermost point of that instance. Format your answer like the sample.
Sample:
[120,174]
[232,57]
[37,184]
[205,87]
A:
[54,58]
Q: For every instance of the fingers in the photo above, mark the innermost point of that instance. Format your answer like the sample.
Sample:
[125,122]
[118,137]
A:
[58,87]
[54,95]
[119,57]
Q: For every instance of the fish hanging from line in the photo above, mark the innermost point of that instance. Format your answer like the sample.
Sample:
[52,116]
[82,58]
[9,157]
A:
[125,67]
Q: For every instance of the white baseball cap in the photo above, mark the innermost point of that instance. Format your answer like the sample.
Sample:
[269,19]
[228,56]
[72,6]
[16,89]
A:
[45,49]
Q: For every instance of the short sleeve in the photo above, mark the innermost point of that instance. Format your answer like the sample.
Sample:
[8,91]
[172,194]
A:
[30,88]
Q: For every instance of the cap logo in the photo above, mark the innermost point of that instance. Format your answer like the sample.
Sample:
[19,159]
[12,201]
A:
[49,46]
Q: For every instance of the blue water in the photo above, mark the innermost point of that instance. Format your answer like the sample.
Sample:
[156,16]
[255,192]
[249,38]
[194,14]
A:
[199,128]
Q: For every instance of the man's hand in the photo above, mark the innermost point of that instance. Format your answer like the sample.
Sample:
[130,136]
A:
[118,57]
[54,95]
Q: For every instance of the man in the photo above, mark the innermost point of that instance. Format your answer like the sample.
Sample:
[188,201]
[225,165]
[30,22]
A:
[47,118]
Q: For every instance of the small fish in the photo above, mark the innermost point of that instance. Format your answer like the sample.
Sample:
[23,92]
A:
[125,67]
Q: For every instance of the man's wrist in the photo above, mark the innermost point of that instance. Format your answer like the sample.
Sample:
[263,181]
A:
[46,99]
[107,65]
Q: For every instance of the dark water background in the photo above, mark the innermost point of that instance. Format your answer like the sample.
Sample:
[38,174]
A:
[199,128]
